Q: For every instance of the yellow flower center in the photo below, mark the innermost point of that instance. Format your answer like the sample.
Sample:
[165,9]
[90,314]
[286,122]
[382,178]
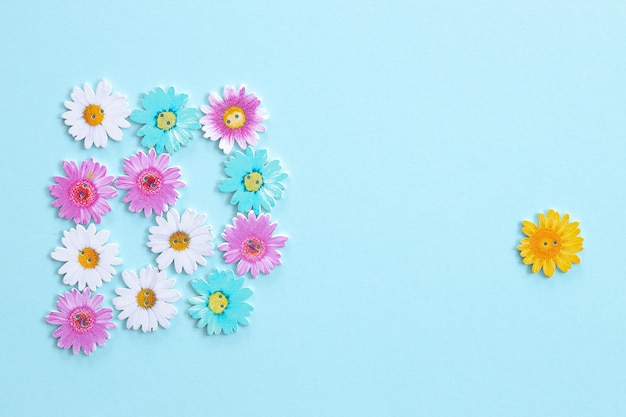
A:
[218,302]
[88,258]
[545,243]
[146,298]
[179,241]
[253,181]
[93,115]
[234,117]
[166,120]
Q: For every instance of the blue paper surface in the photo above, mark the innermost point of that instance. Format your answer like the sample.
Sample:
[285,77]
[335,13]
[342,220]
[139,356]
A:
[417,136]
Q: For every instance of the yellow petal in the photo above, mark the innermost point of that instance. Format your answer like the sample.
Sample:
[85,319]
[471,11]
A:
[553,219]
[563,263]
[562,223]
[536,266]
[529,228]
[542,221]
[548,267]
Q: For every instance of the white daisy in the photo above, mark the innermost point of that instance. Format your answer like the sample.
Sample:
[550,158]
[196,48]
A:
[146,301]
[88,258]
[185,241]
[96,116]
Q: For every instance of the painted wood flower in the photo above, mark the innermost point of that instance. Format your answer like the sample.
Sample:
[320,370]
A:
[235,118]
[82,195]
[551,244]
[183,240]
[256,183]
[150,182]
[220,305]
[82,322]
[167,124]
[251,243]
[87,259]
[146,301]
[96,116]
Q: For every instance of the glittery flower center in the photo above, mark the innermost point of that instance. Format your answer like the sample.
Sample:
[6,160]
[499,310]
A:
[253,181]
[253,247]
[234,117]
[83,193]
[146,298]
[149,181]
[81,319]
[179,241]
[218,302]
[545,243]
[88,258]
[166,120]
[93,115]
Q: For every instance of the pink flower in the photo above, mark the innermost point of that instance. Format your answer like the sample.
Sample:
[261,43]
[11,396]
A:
[250,242]
[235,118]
[81,195]
[82,323]
[151,183]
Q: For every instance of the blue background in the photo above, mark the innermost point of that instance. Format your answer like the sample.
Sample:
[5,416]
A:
[417,136]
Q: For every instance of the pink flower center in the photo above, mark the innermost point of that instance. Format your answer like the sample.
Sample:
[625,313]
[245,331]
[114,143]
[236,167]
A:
[253,248]
[81,319]
[83,193]
[150,181]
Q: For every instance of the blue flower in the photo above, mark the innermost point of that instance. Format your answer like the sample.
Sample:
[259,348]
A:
[220,306]
[166,123]
[256,182]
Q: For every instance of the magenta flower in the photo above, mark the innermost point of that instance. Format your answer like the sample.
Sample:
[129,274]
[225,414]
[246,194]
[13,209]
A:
[81,195]
[151,184]
[82,323]
[250,242]
[235,118]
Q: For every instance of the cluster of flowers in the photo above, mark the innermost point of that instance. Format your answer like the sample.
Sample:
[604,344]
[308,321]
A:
[152,186]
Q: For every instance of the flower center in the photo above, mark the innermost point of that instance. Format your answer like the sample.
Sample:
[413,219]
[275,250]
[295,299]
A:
[253,181]
[234,117]
[179,241]
[218,302]
[88,258]
[253,247]
[166,120]
[81,319]
[93,115]
[546,244]
[83,193]
[149,181]
[146,298]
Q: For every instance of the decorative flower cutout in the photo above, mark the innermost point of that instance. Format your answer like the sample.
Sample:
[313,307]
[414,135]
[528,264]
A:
[151,183]
[88,258]
[554,242]
[146,301]
[82,323]
[250,242]
[81,195]
[256,182]
[97,116]
[167,124]
[184,241]
[235,118]
[220,306]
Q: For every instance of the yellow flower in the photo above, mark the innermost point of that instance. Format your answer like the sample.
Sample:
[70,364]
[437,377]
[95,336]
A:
[553,242]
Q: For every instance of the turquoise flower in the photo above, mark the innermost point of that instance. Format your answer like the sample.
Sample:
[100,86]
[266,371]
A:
[256,182]
[167,124]
[220,306]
